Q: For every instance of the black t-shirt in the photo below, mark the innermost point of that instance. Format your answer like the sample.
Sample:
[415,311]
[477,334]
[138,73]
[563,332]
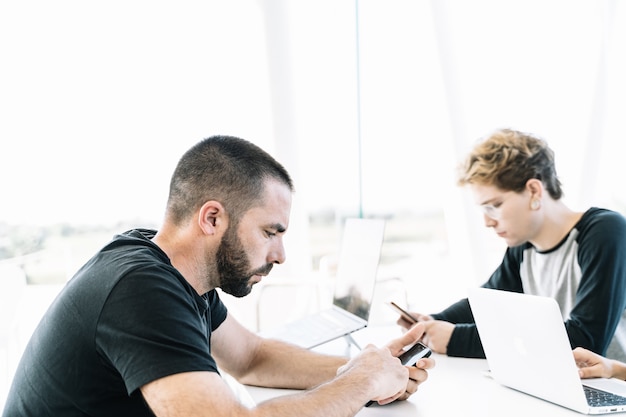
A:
[126,318]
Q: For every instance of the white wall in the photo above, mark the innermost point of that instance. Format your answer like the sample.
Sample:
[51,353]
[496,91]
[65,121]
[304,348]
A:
[99,100]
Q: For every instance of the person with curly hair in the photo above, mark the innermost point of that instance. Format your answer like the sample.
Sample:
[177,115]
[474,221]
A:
[575,257]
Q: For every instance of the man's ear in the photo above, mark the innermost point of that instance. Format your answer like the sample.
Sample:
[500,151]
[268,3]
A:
[535,188]
[212,218]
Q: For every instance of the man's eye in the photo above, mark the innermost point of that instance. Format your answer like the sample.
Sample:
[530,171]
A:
[270,234]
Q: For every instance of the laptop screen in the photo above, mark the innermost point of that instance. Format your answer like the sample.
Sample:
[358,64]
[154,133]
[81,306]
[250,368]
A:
[358,265]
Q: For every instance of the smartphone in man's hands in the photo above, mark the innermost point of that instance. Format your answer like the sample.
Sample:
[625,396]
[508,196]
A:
[415,353]
[410,357]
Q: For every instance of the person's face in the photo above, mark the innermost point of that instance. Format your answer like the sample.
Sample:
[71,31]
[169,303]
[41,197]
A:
[249,249]
[507,212]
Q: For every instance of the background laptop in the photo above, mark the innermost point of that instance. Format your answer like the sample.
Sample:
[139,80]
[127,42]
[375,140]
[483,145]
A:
[357,267]
[527,349]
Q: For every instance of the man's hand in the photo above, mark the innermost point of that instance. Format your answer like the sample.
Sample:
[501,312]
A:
[437,335]
[382,371]
[418,373]
[592,365]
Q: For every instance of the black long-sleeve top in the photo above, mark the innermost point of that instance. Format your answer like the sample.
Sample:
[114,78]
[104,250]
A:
[585,273]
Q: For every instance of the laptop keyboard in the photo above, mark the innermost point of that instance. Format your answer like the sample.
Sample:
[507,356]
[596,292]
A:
[316,329]
[599,398]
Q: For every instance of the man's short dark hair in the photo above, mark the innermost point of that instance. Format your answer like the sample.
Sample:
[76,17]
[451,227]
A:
[227,169]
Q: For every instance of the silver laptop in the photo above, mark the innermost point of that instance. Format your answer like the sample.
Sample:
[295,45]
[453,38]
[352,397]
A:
[527,349]
[357,267]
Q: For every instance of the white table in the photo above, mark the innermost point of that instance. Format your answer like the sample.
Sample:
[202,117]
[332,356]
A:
[455,387]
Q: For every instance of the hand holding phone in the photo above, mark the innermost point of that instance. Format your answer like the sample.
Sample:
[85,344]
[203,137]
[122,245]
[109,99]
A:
[410,357]
[406,316]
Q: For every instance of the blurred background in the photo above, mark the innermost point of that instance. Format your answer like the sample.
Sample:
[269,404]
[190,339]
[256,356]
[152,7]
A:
[370,104]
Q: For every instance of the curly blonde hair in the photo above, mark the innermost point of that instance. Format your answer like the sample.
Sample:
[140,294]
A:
[507,159]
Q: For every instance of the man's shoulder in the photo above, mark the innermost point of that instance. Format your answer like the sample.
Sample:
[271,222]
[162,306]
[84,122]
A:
[602,223]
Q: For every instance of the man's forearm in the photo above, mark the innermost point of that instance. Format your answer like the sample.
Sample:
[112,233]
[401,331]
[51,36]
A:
[321,401]
[279,365]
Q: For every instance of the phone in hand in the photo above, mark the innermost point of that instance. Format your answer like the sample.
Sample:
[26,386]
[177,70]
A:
[410,358]
[405,314]
[415,353]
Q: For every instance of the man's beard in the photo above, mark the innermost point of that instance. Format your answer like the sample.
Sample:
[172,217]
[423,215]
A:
[233,266]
